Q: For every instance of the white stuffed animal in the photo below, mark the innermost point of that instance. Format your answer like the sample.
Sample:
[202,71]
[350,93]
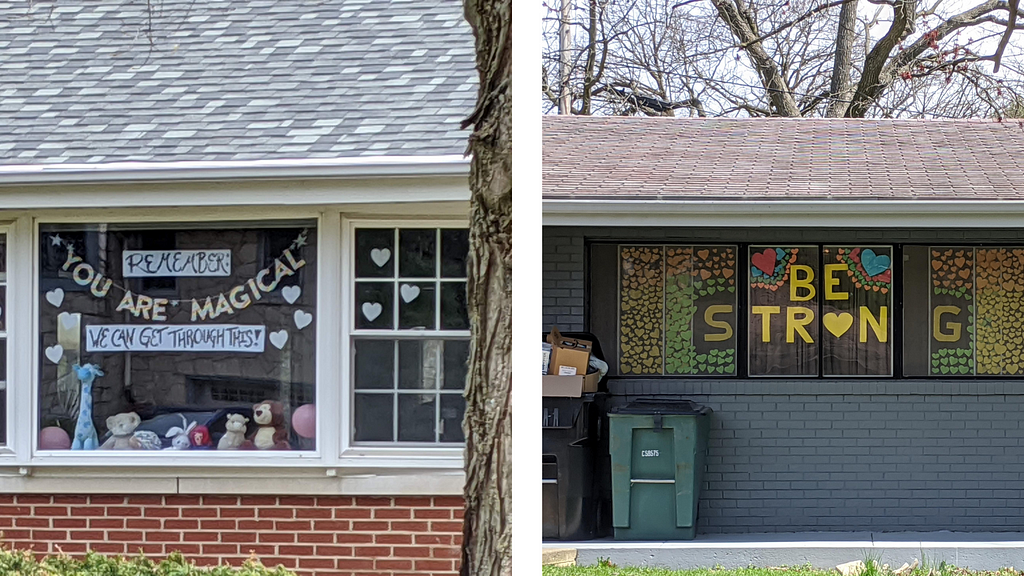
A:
[234,433]
[180,435]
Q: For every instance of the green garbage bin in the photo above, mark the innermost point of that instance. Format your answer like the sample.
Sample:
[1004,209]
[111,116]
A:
[657,451]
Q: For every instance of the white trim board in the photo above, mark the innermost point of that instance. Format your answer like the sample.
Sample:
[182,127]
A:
[785,213]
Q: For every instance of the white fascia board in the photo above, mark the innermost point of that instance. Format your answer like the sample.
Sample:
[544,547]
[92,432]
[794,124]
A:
[352,167]
[786,213]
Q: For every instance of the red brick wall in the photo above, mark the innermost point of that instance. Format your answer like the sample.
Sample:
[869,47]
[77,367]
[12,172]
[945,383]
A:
[321,536]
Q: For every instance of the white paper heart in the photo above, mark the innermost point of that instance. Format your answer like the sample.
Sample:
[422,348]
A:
[371,310]
[291,293]
[302,319]
[409,292]
[54,353]
[55,297]
[380,256]
[68,321]
[279,338]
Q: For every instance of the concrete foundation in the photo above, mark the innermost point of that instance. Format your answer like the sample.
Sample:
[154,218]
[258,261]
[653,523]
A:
[977,551]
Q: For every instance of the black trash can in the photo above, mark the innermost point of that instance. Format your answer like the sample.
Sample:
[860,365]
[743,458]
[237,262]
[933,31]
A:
[573,501]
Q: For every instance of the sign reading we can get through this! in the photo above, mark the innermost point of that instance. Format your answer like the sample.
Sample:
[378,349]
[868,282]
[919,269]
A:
[175,263]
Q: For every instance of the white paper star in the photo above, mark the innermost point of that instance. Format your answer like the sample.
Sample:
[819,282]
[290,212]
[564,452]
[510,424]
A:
[56,240]
[174,302]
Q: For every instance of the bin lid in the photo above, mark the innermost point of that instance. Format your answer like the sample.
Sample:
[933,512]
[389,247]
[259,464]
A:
[662,406]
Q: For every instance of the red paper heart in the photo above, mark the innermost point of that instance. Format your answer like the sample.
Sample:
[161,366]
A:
[765,261]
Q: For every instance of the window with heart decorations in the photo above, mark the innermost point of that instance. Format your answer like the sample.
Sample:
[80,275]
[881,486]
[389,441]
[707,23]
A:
[410,334]
[964,310]
[178,336]
[783,328]
[677,310]
[856,311]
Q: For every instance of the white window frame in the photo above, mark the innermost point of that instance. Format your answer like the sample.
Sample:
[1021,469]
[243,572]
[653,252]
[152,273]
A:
[396,454]
[8,449]
[28,301]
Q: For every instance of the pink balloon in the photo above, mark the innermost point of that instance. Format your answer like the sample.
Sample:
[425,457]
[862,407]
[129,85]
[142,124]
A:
[54,438]
[304,420]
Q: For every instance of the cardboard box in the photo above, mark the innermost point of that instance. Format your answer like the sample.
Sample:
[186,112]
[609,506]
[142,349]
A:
[570,386]
[569,356]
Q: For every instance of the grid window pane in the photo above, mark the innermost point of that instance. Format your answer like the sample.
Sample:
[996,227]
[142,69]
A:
[414,304]
[416,417]
[374,364]
[375,417]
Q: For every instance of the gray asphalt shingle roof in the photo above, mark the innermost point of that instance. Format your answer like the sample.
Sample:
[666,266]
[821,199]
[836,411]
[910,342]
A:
[614,158]
[98,82]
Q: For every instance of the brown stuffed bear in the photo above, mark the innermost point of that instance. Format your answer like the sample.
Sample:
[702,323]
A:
[271,432]
[121,427]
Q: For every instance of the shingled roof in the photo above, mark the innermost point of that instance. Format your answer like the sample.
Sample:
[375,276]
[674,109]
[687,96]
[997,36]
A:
[100,82]
[606,158]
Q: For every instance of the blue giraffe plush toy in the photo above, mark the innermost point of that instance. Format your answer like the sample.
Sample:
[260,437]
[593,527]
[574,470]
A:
[85,432]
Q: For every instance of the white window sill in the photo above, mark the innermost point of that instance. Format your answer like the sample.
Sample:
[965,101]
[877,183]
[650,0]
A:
[218,480]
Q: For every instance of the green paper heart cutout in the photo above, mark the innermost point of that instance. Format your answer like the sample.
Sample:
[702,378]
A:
[702,357]
[944,369]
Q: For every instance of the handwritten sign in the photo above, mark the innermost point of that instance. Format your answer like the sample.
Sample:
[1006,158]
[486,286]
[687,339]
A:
[178,263]
[174,338]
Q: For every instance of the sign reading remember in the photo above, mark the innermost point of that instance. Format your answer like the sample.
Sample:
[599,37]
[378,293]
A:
[150,263]
[174,338]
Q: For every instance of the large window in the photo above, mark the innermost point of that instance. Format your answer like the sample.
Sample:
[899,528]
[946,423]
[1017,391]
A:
[410,334]
[177,336]
[810,310]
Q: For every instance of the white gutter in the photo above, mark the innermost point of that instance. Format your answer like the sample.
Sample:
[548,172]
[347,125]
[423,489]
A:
[354,167]
[788,213]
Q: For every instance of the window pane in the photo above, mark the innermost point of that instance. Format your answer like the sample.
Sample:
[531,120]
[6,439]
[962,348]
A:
[375,305]
[915,307]
[416,301]
[418,364]
[642,277]
[453,406]
[3,308]
[375,362]
[227,334]
[783,331]
[951,303]
[375,253]
[700,310]
[454,252]
[416,253]
[374,418]
[856,303]
[417,414]
[456,357]
[454,314]
[999,278]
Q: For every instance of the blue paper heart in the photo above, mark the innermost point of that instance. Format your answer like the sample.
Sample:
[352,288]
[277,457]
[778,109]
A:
[780,253]
[755,271]
[874,264]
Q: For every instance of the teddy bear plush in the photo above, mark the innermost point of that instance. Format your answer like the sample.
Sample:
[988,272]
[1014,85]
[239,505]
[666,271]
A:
[234,435]
[271,432]
[121,427]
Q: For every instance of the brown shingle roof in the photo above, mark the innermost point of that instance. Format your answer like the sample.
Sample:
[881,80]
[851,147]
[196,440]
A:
[615,158]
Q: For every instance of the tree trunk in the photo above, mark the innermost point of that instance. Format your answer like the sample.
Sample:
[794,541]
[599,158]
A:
[487,530]
[845,37]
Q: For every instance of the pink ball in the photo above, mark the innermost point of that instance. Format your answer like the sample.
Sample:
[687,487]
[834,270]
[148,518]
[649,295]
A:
[54,438]
[304,420]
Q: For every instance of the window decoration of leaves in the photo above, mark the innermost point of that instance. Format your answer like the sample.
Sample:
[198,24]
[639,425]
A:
[856,308]
[677,310]
[783,333]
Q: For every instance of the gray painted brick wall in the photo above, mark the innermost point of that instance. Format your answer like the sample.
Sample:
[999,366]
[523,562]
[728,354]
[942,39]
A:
[832,455]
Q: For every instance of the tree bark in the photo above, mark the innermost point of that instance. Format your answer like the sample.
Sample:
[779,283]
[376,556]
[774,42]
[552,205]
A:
[487,528]
[869,86]
[845,37]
